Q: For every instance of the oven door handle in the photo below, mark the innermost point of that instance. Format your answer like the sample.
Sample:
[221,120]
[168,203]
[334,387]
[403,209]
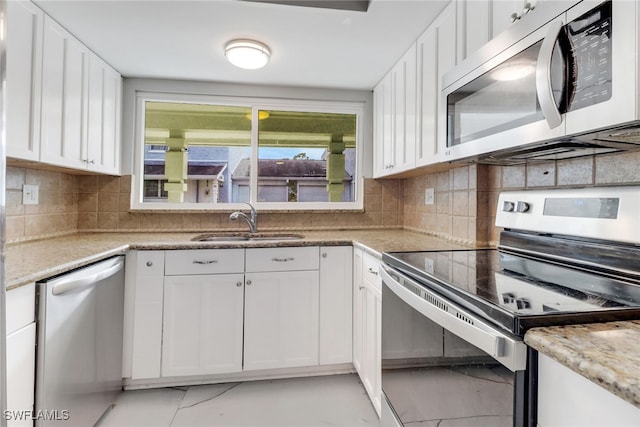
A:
[505,349]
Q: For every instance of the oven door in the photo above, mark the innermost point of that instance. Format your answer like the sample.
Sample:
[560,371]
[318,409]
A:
[442,363]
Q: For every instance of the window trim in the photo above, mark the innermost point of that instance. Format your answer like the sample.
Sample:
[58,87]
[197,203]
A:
[255,103]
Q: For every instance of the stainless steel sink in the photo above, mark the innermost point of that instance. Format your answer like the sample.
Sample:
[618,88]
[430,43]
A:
[244,237]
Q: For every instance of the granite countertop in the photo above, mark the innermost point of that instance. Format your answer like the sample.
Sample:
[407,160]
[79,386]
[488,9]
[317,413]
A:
[606,353]
[36,260]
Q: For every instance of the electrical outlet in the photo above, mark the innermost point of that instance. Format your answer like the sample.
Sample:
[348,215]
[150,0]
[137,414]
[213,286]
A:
[30,194]
[429,196]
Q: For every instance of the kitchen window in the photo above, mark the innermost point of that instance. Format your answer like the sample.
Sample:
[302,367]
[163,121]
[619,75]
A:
[210,153]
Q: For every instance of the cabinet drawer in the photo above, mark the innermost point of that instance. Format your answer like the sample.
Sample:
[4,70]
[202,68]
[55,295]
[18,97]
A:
[20,307]
[204,261]
[283,259]
[370,267]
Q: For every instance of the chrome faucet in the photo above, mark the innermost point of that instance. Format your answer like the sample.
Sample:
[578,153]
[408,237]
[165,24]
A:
[250,220]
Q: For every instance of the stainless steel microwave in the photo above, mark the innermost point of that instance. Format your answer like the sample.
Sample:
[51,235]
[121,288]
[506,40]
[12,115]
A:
[564,89]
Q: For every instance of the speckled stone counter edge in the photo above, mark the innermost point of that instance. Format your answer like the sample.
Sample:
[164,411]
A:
[606,353]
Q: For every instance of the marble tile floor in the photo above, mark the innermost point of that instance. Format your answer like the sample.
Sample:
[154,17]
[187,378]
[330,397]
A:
[336,400]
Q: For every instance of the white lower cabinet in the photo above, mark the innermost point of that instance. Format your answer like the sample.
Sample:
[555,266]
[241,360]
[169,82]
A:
[281,320]
[336,306]
[567,399]
[144,295]
[202,324]
[236,312]
[20,354]
[367,325]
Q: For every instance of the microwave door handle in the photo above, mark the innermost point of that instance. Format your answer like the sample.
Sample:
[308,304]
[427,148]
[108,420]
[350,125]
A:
[543,76]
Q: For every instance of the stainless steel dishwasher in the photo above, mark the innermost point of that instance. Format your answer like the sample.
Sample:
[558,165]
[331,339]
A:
[79,359]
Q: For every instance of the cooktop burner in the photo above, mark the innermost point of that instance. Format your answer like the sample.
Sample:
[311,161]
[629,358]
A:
[518,292]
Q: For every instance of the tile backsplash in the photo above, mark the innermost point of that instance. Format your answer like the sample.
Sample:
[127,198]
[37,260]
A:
[463,210]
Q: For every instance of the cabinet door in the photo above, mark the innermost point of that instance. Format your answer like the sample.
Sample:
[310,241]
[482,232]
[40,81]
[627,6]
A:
[64,98]
[566,398]
[143,314]
[335,305]
[371,348]
[504,13]
[103,141]
[474,24]
[24,71]
[21,359]
[428,89]
[281,320]
[404,86]
[436,55]
[202,324]
[383,150]
[358,316]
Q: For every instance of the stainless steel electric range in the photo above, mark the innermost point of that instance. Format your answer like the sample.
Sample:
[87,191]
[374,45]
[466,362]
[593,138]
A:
[453,322]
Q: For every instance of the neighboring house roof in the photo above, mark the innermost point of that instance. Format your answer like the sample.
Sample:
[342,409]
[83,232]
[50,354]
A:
[155,167]
[284,168]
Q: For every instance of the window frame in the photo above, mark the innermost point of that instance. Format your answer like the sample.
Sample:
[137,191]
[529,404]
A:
[256,104]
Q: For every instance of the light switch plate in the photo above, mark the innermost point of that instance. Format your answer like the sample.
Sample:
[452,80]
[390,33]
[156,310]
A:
[30,194]
[429,196]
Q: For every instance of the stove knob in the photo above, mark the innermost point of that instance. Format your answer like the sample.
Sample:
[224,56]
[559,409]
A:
[508,298]
[522,207]
[508,206]
[522,303]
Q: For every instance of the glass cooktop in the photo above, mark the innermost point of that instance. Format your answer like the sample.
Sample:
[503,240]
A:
[517,292]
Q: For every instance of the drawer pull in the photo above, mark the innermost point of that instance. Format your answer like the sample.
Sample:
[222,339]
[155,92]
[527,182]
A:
[211,261]
[372,271]
[149,263]
[282,259]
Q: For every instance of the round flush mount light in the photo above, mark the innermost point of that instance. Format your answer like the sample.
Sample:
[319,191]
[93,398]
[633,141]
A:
[247,54]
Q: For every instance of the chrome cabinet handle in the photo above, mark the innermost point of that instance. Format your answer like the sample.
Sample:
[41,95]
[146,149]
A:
[248,282]
[211,261]
[149,263]
[282,259]
[528,7]
[239,284]
[324,255]
[372,271]
[515,17]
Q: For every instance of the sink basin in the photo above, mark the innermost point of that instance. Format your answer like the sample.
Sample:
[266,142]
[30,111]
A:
[244,237]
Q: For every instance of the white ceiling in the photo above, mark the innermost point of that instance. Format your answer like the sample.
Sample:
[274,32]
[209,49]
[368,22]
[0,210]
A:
[183,39]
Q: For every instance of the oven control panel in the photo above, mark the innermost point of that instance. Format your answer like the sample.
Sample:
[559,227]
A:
[609,213]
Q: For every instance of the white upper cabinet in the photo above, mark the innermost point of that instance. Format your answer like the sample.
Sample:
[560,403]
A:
[480,21]
[436,54]
[64,98]
[103,138]
[404,85]
[64,102]
[81,97]
[395,117]
[383,152]
[24,73]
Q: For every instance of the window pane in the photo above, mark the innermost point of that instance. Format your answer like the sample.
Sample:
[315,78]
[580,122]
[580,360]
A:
[306,157]
[192,150]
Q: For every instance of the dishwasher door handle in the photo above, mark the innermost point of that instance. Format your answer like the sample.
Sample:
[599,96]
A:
[73,284]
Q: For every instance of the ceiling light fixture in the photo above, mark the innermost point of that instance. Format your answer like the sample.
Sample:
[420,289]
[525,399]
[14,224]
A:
[247,54]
